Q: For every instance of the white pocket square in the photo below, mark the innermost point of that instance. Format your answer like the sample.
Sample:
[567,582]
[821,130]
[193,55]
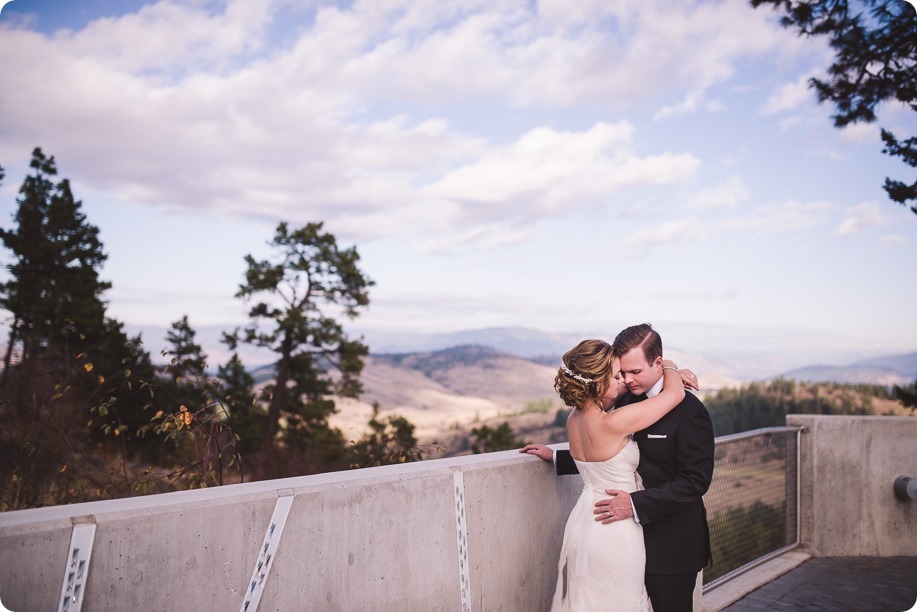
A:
[657,436]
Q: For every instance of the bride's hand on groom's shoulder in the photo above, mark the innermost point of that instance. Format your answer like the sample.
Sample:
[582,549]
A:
[689,379]
[539,450]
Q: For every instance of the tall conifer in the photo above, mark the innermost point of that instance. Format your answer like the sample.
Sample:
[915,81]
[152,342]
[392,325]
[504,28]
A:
[53,292]
[298,294]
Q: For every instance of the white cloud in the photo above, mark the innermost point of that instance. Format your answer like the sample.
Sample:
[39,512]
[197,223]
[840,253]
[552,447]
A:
[790,96]
[891,241]
[860,217]
[428,132]
[670,232]
[688,105]
[612,54]
[726,194]
[192,105]
[791,216]
[861,132]
[547,172]
[170,39]
[483,237]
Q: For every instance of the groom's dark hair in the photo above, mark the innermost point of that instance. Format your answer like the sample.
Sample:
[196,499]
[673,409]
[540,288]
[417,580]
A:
[639,335]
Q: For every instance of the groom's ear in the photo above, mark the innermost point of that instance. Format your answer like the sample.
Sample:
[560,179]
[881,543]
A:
[657,362]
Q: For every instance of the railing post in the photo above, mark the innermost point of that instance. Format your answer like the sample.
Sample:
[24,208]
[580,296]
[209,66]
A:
[791,484]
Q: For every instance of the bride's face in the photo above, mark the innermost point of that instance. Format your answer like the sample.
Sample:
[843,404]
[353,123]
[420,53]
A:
[616,386]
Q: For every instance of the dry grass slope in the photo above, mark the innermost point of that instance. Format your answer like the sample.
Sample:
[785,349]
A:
[450,391]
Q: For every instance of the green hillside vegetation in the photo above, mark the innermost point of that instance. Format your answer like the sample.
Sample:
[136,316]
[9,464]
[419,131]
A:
[766,404]
[436,361]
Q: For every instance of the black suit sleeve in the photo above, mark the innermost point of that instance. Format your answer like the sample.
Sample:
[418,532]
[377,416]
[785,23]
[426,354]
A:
[693,469]
[563,463]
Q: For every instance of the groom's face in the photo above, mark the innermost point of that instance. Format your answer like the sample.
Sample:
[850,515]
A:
[639,374]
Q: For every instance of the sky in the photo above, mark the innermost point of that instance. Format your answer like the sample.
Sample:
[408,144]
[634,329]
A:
[566,167]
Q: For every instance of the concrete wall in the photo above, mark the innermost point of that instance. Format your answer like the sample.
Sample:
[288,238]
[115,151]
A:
[374,539]
[386,538]
[847,504]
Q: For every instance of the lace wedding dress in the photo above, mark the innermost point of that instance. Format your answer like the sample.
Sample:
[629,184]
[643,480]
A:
[603,564]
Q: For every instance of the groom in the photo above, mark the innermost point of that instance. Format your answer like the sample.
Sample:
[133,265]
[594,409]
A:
[676,465]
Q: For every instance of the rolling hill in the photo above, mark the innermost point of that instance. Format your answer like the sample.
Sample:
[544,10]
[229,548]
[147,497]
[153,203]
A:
[451,389]
[886,370]
[445,393]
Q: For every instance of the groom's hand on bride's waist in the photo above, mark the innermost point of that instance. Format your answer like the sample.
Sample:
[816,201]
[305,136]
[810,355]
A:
[616,508]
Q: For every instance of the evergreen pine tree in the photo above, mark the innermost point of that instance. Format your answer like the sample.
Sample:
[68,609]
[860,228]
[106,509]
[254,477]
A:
[236,392]
[54,293]
[299,293]
[875,46]
[188,360]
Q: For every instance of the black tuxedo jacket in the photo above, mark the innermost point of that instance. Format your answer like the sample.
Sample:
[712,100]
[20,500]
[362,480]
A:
[676,465]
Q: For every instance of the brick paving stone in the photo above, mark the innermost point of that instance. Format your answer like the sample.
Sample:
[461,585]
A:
[861,584]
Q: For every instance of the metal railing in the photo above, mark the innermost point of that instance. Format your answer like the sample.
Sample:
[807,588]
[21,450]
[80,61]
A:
[753,501]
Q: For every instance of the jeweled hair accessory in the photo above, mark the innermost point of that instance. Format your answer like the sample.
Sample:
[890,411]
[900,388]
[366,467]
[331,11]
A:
[571,374]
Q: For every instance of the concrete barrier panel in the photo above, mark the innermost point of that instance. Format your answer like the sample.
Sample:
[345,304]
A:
[198,555]
[381,543]
[849,463]
[516,518]
[32,561]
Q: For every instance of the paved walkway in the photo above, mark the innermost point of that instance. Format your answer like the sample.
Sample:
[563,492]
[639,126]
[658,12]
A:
[863,584]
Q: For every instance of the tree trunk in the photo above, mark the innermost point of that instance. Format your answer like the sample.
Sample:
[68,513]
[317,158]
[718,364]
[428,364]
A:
[9,354]
[279,398]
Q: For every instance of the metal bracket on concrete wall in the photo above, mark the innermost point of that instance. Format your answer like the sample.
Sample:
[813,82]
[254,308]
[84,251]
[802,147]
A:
[458,490]
[267,552]
[76,572]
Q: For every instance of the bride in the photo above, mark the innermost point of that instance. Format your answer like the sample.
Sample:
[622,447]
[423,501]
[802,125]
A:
[601,566]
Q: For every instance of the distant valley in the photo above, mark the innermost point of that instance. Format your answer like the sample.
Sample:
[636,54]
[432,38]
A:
[455,382]
[451,390]
[717,370]
[448,392]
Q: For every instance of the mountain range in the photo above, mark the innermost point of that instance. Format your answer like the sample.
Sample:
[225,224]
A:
[886,370]
[448,384]
[546,348]
[455,389]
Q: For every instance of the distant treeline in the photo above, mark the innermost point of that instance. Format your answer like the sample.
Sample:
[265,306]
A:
[766,404]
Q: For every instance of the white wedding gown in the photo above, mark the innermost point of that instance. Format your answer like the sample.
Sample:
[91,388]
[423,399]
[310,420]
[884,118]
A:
[604,563]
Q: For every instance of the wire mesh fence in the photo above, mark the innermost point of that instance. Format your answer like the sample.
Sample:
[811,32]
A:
[752,501]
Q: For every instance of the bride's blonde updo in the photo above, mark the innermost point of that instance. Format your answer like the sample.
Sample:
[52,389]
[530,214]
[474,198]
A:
[583,373]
